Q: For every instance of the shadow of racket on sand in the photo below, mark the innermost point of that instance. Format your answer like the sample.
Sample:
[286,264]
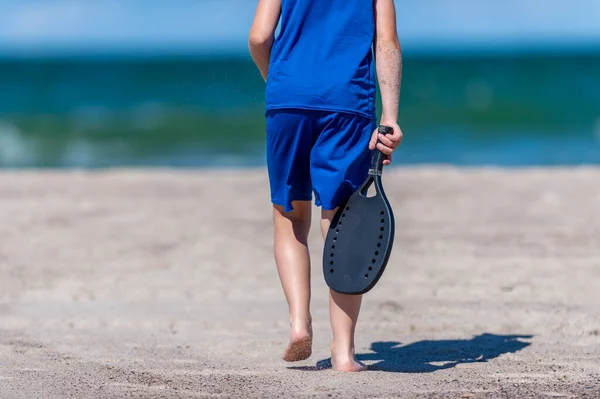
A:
[429,356]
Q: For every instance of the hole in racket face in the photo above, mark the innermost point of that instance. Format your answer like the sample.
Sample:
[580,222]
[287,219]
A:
[370,268]
[330,270]
[366,276]
[371,191]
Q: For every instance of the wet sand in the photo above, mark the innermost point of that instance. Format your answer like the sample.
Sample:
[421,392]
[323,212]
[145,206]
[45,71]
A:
[162,284]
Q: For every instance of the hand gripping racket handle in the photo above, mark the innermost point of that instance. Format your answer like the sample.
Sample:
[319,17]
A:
[378,156]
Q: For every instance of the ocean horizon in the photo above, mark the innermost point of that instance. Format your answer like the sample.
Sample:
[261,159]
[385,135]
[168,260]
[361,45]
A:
[192,111]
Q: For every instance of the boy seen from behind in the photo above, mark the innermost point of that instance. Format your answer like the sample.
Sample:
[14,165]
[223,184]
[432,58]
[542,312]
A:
[321,130]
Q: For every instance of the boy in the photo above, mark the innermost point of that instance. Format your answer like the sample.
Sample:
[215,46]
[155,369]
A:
[321,129]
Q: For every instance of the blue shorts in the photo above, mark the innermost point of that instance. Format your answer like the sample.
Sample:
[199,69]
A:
[320,152]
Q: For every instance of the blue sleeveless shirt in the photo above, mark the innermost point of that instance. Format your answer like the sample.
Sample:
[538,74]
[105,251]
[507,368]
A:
[322,57]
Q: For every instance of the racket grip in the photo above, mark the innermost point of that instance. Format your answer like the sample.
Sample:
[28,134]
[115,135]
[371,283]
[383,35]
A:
[378,156]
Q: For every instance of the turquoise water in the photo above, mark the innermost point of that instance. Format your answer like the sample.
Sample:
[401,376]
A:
[90,113]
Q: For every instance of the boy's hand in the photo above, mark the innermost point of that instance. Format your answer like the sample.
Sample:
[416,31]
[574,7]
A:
[388,142]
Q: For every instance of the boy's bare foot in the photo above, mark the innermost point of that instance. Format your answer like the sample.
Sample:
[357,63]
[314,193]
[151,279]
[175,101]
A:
[346,362]
[347,365]
[300,345]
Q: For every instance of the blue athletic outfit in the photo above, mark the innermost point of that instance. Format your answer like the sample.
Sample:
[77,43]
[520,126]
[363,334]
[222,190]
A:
[320,101]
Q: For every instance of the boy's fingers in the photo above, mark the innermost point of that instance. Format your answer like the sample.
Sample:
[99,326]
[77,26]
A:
[386,140]
[386,143]
[397,136]
[373,140]
[392,140]
[385,149]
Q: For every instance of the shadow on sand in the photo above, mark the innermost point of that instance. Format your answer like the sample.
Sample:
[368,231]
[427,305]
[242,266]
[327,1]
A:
[430,356]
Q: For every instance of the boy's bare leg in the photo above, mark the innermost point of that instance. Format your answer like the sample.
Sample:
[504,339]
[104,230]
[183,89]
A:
[343,315]
[293,265]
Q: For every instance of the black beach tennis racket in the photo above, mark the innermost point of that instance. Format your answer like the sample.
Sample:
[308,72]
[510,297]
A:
[360,238]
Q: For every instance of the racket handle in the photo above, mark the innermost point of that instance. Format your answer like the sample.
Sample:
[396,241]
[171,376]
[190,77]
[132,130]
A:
[378,156]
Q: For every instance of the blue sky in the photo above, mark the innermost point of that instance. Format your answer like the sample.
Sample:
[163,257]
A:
[220,26]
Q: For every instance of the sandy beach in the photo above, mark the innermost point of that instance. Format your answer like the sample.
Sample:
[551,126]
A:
[161,283]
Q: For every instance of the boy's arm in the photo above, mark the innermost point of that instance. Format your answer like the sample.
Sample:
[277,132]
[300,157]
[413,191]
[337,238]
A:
[262,33]
[388,58]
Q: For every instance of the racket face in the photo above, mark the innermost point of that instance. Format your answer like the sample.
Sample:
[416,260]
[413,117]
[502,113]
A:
[359,241]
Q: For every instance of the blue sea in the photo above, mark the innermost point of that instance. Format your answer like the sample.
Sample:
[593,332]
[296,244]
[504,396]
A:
[201,112]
